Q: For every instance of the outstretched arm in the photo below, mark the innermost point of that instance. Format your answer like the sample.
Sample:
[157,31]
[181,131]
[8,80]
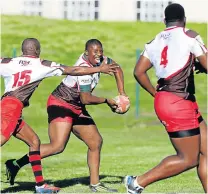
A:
[78,71]
[140,74]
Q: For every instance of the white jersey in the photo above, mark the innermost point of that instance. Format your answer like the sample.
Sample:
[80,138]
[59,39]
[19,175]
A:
[171,49]
[23,74]
[91,80]
[71,86]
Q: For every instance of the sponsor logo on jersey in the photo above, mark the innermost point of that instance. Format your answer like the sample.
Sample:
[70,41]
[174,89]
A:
[165,36]
[24,63]
[85,81]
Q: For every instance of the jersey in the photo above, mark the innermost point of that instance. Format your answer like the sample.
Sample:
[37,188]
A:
[172,53]
[23,74]
[71,86]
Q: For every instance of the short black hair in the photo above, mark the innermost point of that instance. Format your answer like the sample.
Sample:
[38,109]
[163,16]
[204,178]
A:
[30,44]
[174,12]
[92,41]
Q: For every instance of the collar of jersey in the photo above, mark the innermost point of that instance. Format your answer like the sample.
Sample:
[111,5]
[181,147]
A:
[172,27]
[30,56]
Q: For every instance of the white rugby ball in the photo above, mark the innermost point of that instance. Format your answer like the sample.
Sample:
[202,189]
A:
[123,104]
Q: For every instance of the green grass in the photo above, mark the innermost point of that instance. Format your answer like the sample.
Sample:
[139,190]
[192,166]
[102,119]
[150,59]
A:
[131,146]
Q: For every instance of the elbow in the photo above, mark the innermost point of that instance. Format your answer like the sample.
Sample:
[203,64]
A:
[85,101]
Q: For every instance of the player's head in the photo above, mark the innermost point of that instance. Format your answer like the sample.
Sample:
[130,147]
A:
[31,46]
[94,51]
[175,13]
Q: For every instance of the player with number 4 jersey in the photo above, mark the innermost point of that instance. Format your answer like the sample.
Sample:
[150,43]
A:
[22,75]
[172,53]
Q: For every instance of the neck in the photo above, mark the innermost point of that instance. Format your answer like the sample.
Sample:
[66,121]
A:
[171,24]
[30,54]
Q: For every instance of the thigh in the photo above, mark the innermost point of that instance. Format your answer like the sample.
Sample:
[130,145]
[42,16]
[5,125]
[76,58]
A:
[85,129]
[187,147]
[59,132]
[203,132]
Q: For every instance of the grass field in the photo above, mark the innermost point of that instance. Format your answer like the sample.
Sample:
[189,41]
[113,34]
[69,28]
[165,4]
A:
[131,145]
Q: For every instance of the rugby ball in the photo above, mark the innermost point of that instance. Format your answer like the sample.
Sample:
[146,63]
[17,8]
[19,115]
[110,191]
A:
[123,104]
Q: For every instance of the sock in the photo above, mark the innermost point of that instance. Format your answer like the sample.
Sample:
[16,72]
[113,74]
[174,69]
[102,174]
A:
[95,184]
[22,161]
[35,160]
[137,185]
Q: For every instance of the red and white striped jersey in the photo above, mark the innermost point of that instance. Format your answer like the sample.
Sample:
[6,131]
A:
[23,74]
[171,49]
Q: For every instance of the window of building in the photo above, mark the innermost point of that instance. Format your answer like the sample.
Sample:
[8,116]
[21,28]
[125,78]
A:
[81,9]
[33,7]
[149,10]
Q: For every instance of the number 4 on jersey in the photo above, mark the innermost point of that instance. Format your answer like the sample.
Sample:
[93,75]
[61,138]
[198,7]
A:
[21,78]
[164,59]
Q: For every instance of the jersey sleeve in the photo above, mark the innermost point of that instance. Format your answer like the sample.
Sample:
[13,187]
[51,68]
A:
[53,68]
[198,47]
[144,53]
[85,81]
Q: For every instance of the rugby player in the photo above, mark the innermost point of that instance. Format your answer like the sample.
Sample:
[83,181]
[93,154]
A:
[22,75]
[172,54]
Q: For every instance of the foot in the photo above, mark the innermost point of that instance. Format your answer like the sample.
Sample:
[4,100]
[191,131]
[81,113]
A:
[100,187]
[129,184]
[11,171]
[46,189]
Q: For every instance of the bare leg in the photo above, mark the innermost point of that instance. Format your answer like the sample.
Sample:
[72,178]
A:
[202,168]
[59,133]
[91,137]
[3,140]
[27,135]
[187,150]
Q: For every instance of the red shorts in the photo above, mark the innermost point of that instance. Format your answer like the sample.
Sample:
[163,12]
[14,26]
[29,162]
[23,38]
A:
[11,110]
[61,111]
[177,114]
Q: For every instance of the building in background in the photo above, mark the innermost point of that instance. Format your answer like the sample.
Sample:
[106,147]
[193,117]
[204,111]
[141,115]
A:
[104,10]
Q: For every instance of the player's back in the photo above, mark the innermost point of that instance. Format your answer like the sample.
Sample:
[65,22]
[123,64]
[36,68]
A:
[170,51]
[23,74]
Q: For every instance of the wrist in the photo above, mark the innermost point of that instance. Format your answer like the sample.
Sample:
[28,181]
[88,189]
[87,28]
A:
[106,100]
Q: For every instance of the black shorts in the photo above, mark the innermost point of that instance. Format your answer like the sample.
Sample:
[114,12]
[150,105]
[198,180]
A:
[63,114]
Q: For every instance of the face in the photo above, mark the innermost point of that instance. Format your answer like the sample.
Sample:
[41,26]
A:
[95,53]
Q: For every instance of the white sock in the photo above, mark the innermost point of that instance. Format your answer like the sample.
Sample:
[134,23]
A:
[137,185]
[95,184]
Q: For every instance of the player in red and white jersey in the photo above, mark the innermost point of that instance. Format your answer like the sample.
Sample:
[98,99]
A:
[67,112]
[172,53]
[22,75]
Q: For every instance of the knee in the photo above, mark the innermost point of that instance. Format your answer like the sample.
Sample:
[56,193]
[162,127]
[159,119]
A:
[96,145]
[57,148]
[191,162]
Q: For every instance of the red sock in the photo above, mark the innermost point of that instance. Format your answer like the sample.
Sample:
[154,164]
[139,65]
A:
[35,160]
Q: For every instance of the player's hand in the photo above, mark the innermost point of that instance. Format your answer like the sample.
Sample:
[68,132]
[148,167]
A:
[199,68]
[108,68]
[112,104]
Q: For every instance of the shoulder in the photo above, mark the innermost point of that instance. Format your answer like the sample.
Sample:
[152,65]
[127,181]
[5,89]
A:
[6,60]
[191,33]
[46,63]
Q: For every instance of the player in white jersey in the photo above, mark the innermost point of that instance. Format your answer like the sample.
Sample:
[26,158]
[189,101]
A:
[67,112]
[172,54]
[22,75]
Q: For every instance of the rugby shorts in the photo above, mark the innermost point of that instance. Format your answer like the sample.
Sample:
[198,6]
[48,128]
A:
[180,117]
[61,111]
[11,111]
